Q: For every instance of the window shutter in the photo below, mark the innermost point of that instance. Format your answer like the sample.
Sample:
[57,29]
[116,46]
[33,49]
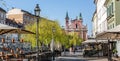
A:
[112,7]
[107,11]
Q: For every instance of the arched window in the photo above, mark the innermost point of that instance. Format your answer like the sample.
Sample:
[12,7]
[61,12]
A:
[76,26]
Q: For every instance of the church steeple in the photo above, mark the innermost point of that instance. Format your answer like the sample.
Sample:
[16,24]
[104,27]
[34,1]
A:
[67,20]
[67,17]
[80,16]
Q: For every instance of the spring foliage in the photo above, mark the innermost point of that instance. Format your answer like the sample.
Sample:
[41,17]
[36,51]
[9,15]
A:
[46,33]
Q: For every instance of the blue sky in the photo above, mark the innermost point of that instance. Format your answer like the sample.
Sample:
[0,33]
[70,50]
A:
[56,9]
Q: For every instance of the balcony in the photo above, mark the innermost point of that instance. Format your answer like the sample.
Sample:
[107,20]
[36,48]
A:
[110,16]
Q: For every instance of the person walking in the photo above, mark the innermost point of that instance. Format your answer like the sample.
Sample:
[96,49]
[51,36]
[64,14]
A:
[70,50]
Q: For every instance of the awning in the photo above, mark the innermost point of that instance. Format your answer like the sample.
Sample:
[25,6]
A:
[9,29]
[3,26]
[110,34]
[94,41]
[14,31]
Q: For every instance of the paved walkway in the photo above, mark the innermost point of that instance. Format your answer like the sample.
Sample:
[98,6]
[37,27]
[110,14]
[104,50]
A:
[70,59]
[96,59]
[78,57]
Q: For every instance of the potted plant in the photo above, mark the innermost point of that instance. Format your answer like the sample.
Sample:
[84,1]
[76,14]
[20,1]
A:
[115,53]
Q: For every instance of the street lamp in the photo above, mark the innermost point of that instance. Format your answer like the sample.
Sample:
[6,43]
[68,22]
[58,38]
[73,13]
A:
[37,10]
[52,43]
[109,51]
[37,14]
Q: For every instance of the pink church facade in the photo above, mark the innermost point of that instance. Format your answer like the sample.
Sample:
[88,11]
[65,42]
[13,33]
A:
[76,26]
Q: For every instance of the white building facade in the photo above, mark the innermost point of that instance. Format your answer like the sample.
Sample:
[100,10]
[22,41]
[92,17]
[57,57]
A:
[101,16]
[94,24]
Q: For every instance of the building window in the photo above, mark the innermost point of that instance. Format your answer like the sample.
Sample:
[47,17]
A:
[110,9]
[76,26]
[113,25]
[108,27]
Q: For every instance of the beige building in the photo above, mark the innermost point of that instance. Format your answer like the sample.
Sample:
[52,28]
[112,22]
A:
[5,21]
[20,16]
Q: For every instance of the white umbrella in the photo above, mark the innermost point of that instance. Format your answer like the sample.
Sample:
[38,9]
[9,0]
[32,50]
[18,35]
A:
[3,26]
[52,45]
[94,41]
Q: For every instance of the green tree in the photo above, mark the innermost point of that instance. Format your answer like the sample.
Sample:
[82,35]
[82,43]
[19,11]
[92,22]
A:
[45,32]
[75,40]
